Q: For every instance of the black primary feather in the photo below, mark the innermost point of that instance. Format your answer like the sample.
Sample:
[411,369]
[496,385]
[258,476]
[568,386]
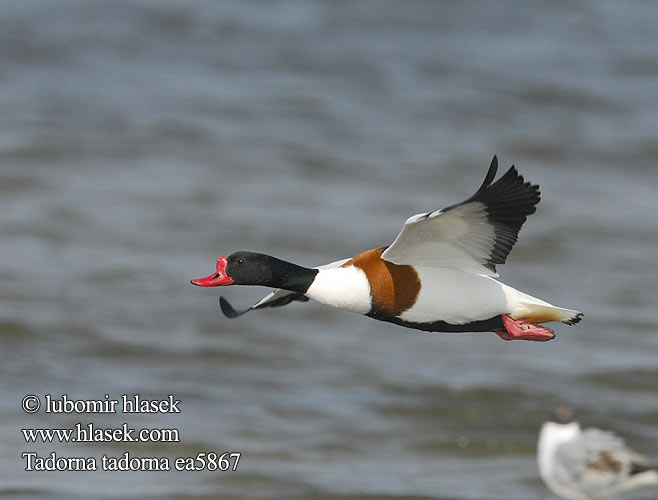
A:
[508,203]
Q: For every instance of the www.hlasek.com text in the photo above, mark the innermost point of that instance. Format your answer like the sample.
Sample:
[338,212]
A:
[89,433]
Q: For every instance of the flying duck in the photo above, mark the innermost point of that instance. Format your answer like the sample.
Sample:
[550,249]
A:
[436,276]
[584,464]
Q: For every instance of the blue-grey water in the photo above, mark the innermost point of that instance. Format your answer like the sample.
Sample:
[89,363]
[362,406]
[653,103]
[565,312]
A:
[141,140]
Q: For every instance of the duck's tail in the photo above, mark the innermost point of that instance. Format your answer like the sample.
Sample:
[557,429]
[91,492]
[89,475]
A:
[538,311]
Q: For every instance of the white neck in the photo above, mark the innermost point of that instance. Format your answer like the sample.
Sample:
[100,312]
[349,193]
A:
[344,288]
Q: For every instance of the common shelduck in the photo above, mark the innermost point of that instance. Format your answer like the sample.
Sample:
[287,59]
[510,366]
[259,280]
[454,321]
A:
[584,464]
[436,276]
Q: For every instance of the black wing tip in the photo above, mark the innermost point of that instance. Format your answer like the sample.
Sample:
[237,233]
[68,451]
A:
[491,174]
[512,183]
[494,164]
[509,201]
[228,309]
[511,176]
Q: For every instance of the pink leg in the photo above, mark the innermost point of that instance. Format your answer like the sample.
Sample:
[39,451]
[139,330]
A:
[517,329]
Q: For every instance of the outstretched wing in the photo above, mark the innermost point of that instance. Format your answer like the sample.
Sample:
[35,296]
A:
[474,235]
[277,298]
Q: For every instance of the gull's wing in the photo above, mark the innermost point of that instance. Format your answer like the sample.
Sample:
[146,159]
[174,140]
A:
[474,235]
[607,455]
[277,298]
[597,461]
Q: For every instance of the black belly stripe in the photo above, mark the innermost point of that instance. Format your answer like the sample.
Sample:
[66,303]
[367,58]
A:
[485,325]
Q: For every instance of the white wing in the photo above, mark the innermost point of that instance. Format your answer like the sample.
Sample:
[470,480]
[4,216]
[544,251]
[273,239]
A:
[277,298]
[331,265]
[474,235]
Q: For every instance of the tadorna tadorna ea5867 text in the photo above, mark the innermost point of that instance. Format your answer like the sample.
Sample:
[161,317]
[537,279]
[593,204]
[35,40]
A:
[436,276]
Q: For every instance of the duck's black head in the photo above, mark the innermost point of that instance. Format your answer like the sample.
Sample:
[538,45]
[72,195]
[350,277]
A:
[250,268]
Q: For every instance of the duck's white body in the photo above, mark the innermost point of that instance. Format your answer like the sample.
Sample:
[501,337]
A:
[441,297]
[437,275]
[449,289]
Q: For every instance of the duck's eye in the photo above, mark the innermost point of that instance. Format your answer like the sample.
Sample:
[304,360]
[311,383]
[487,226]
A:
[240,261]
